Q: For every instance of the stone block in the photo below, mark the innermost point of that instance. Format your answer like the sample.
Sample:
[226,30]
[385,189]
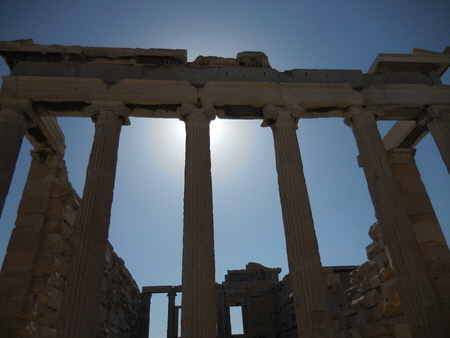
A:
[418,203]
[437,250]
[375,282]
[426,217]
[63,267]
[411,184]
[14,284]
[392,308]
[381,260]
[375,313]
[389,290]
[336,289]
[443,286]
[374,230]
[55,300]
[428,232]
[354,333]
[385,274]
[373,298]
[22,249]
[46,315]
[348,310]
[47,332]
[33,204]
[338,300]
[402,331]
[33,221]
[332,279]
[373,249]
[69,214]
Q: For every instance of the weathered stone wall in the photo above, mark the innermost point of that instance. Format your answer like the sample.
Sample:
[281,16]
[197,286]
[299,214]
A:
[119,316]
[365,303]
[285,311]
[369,304]
[37,261]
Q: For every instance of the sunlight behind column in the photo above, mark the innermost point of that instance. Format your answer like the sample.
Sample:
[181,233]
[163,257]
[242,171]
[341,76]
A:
[231,143]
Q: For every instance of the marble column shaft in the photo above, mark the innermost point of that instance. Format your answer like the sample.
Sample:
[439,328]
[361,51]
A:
[437,120]
[305,269]
[82,294]
[198,316]
[13,126]
[171,316]
[419,301]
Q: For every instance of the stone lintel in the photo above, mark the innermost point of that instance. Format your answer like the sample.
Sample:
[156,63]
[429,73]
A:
[48,134]
[25,50]
[404,134]
[66,96]
[418,61]
[406,95]
[161,289]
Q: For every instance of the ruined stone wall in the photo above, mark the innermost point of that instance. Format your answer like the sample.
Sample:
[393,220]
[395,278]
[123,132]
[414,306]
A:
[119,316]
[369,304]
[37,261]
[285,311]
[365,304]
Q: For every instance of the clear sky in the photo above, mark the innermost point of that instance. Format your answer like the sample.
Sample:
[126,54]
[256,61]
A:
[147,215]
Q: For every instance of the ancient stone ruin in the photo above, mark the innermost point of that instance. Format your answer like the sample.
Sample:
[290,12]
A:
[61,277]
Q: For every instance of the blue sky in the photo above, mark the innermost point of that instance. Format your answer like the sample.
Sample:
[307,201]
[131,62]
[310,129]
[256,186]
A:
[146,224]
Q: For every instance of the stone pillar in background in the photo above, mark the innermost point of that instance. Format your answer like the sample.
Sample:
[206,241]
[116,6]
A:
[172,324]
[308,281]
[419,301]
[82,296]
[13,125]
[437,120]
[424,221]
[144,315]
[30,281]
[198,314]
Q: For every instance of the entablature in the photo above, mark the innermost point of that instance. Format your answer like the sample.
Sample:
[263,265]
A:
[113,65]
[67,96]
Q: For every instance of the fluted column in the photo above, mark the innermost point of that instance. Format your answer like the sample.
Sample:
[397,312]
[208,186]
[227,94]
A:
[82,292]
[437,120]
[13,126]
[419,301]
[198,316]
[305,269]
[171,316]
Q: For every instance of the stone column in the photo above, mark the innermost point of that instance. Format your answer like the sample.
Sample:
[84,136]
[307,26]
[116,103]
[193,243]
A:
[172,316]
[419,301]
[82,293]
[426,226]
[308,281]
[13,125]
[198,316]
[144,315]
[437,119]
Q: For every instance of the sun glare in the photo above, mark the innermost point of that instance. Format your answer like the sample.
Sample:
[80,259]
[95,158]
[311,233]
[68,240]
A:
[231,143]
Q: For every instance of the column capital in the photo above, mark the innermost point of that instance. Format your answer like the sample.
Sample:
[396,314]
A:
[12,108]
[432,113]
[188,110]
[273,113]
[401,155]
[104,111]
[368,112]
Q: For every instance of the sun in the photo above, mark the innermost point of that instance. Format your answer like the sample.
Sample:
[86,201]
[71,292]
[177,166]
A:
[230,143]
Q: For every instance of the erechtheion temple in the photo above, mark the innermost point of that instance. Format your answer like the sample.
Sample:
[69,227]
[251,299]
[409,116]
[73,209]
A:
[61,277]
